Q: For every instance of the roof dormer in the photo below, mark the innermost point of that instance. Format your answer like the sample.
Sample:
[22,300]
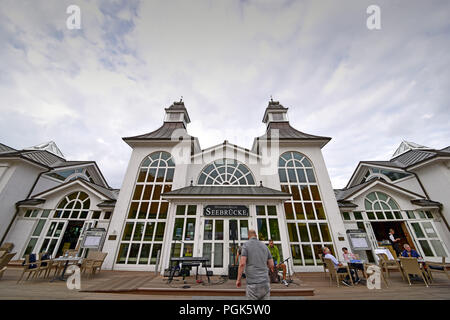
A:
[275,112]
[177,113]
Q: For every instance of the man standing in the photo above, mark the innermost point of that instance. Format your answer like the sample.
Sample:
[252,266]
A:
[394,242]
[255,259]
[277,261]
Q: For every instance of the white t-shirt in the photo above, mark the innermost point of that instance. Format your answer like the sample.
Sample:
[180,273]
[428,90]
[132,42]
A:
[332,258]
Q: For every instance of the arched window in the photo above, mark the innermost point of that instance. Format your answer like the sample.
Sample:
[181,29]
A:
[226,172]
[143,232]
[380,206]
[305,214]
[74,206]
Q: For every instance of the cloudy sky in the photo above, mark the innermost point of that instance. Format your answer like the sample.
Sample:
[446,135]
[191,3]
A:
[87,88]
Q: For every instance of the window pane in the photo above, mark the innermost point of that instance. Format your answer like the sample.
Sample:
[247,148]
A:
[326,237]
[147,193]
[207,230]
[295,193]
[188,250]
[291,175]
[358,215]
[145,254]
[207,253]
[127,232]
[317,250]
[156,247]
[159,235]
[176,250]
[153,212]
[282,175]
[143,210]
[138,230]
[218,255]
[418,230]
[121,257]
[148,236]
[299,211]
[218,233]
[305,192]
[296,255]
[178,229]
[133,210]
[301,175]
[271,210]
[274,230]
[190,229]
[288,210]
[315,192]
[429,230]
[163,210]
[304,237]
[192,210]
[389,215]
[371,215]
[310,175]
[181,210]
[244,229]
[293,237]
[262,229]
[307,255]
[31,245]
[38,229]
[309,211]
[438,248]
[260,210]
[314,231]
[426,248]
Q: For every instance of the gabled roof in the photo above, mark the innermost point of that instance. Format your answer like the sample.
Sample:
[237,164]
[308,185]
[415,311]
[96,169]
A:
[404,161]
[5,148]
[217,191]
[49,146]
[347,193]
[109,194]
[224,145]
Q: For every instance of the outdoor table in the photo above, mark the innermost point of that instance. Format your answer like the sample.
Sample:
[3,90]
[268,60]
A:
[356,266]
[67,260]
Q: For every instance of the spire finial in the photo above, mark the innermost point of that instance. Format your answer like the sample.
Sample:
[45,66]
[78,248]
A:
[181,99]
[271,98]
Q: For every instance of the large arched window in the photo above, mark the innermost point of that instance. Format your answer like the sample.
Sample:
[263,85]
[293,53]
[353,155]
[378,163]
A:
[306,219]
[380,206]
[73,206]
[226,172]
[143,232]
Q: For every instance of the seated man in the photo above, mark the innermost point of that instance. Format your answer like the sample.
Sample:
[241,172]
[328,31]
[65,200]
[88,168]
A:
[351,256]
[408,252]
[276,260]
[339,266]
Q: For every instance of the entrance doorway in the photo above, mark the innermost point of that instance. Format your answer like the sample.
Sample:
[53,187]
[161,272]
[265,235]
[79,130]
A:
[70,238]
[381,232]
[217,242]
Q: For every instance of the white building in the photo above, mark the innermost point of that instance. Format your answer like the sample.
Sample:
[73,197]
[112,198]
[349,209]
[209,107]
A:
[180,200]
[409,193]
[48,202]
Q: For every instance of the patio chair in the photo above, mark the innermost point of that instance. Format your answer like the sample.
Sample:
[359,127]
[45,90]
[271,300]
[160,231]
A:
[88,265]
[7,246]
[2,253]
[98,258]
[386,265]
[438,267]
[2,270]
[29,267]
[71,252]
[412,267]
[333,272]
[323,263]
[44,266]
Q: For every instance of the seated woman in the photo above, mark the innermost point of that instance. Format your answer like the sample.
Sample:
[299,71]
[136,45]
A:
[348,256]
[408,252]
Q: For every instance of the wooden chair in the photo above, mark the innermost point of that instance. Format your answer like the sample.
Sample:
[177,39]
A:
[98,258]
[44,267]
[323,263]
[411,267]
[2,253]
[27,269]
[4,260]
[88,265]
[438,267]
[333,272]
[2,270]
[71,252]
[7,246]
[386,265]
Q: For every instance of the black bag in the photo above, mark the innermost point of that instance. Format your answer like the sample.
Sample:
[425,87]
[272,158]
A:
[274,276]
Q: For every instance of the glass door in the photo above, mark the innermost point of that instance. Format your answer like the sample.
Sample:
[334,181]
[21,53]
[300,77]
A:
[214,239]
[241,237]
[427,240]
[53,237]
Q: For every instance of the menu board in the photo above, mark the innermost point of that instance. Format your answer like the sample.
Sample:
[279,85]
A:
[358,240]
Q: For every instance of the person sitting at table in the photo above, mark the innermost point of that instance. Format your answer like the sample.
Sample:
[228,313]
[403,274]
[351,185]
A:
[348,256]
[408,252]
[339,266]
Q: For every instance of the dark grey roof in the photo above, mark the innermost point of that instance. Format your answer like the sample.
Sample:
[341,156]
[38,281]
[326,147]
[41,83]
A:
[70,163]
[346,204]
[107,204]
[5,148]
[447,149]
[162,133]
[341,194]
[30,202]
[426,203]
[253,191]
[110,193]
[286,132]
[41,157]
